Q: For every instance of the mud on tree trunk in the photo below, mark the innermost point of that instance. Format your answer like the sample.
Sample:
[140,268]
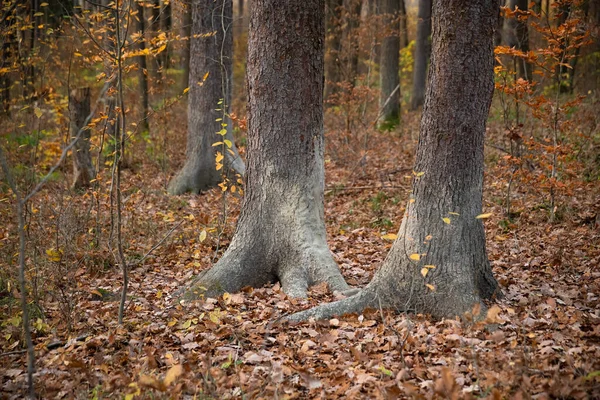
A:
[210,91]
[83,169]
[281,231]
[438,265]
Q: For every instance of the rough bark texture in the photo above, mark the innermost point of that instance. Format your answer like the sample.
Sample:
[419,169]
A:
[517,36]
[389,78]
[211,52]
[422,52]
[449,182]
[281,230]
[83,168]
[403,25]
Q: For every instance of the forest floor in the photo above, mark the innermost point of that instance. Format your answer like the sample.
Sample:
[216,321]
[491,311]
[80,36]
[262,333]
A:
[542,342]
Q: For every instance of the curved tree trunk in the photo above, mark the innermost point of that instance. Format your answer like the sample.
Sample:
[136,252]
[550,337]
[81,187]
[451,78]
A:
[83,168]
[438,265]
[389,99]
[422,52]
[209,99]
[281,230]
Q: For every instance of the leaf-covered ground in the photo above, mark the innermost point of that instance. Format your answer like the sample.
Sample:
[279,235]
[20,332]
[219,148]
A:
[541,341]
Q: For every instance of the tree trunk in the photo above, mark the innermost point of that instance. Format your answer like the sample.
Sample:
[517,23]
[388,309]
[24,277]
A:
[281,230]
[165,26]
[389,78]
[186,32]
[438,265]
[79,108]
[333,48]
[517,36]
[211,54]
[403,25]
[350,43]
[142,66]
[422,52]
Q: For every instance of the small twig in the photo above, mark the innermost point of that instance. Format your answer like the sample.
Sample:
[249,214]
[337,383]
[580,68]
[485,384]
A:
[157,245]
[385,104]
[11,353]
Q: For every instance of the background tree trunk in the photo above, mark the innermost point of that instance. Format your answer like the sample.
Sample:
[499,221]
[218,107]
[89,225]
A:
[79,108]
[210,55]
[389,99]
[333,47]
[281,230]
[517,36]
[403,25]
[438,265]
[422,52]
[186,32]
[142,65]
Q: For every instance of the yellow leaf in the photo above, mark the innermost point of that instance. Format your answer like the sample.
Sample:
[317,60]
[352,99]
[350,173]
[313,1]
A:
[160,49]
[205,76]
[429,266]
[202,236]
[214,317]
[226,298]
[54,255]
[483,216]
[453,213]
[424,272]
[38,14]
[446,220]
[389,236]
[217,144]
[187,89]
[222,132]
[418,174]
[228,143]
[430,287]
[415,256]
[219,157]
[37,112]
[159,294]
[172,374]
[187,324]
[172,322]
[44,4]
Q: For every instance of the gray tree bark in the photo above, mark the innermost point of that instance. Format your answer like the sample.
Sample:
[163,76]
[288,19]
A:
[79,108]
[403,25]
[211,53]
[389,64]
[517,36]
[440,232]
[422,52]
[281,231]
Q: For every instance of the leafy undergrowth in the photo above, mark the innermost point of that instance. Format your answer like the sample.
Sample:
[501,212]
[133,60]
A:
[541,341]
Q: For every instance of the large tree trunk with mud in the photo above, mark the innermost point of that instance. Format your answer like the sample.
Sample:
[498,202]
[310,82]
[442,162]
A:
[209,99]
[79,108]
[438,265]
[422,52]
[389,64]
[281,231]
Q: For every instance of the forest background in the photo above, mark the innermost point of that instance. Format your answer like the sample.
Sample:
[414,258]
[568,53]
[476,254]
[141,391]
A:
[71,224]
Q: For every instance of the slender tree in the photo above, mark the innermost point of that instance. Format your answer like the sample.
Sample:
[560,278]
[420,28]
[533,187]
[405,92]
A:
[210,90]
[389,78]
[438,264]
[422,51]
[281,234]
[333,45]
